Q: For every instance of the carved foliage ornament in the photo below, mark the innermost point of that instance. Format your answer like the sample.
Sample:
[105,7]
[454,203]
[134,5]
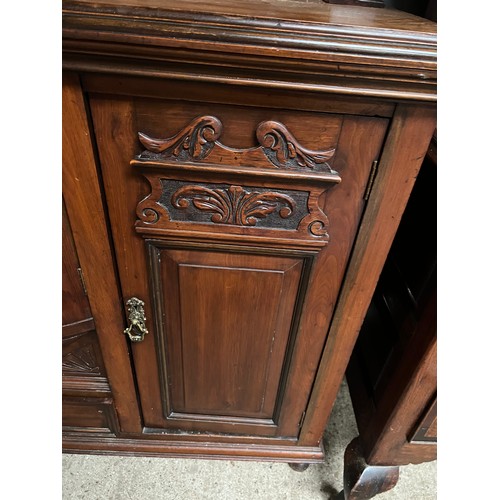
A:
[174,201]
[277,148]
[188,203]
[283,150]
[234,205]
[81,360]
[193,142]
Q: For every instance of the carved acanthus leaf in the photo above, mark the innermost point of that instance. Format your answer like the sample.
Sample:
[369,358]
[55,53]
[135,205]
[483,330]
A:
[283,150]
[234,205]
[278,148]
[193,142]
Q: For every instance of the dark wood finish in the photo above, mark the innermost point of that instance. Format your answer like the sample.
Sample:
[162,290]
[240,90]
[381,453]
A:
[118,140]
[310,45]
[360,3]
[82,364]
[213,330]
[232,157]
[209,92]
[362,481]
[405,148]
[84,205]
[92,415]
[392,372]
[76,313]
[191,446]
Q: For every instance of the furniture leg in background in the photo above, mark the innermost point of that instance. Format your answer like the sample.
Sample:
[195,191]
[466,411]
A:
[392,371]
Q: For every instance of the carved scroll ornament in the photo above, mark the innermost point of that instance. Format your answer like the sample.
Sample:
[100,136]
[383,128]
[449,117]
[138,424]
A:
[202,187]
[193,142]
[173,201]
[234,205]
[283,150]
[196,142]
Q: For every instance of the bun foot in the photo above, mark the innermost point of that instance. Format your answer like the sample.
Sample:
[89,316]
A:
[299,467]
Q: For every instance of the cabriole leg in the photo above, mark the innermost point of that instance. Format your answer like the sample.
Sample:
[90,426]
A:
[363,481]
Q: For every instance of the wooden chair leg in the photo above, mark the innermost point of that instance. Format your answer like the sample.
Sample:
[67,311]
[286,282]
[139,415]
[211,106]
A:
[363,481]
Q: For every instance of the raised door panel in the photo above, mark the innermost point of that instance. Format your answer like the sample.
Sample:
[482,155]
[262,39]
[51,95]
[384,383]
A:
[234,225]
[223,331]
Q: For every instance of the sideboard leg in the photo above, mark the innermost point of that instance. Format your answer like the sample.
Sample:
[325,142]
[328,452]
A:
[363,481]
[300,467]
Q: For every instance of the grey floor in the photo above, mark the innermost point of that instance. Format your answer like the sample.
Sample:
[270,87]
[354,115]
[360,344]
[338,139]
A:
[124,478]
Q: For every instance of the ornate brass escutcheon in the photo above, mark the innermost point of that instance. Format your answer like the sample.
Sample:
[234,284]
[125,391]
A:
[137,320]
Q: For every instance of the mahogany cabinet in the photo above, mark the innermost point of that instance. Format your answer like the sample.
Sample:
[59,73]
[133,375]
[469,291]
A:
[233,177]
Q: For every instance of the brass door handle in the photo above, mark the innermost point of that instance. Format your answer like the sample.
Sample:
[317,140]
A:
[137,320]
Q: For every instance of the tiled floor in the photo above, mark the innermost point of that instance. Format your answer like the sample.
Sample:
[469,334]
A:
[125,478]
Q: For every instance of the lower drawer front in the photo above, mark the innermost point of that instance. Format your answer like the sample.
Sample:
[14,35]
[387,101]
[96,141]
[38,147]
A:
[89,414]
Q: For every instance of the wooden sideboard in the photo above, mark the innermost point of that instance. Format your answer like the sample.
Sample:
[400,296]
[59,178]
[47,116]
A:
[233,178]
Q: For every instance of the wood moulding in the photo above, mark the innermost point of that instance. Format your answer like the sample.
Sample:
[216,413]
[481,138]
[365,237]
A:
[81,442]
[327,47]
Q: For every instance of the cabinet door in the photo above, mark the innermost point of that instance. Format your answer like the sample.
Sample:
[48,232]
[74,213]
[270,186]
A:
[233,225]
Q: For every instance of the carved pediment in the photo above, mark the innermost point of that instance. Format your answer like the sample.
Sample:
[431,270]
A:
[198,142]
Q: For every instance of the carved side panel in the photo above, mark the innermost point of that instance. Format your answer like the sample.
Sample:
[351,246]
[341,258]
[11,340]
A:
[82,360]
[82,364]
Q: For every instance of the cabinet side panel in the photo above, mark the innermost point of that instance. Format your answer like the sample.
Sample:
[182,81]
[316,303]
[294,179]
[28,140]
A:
[405,149]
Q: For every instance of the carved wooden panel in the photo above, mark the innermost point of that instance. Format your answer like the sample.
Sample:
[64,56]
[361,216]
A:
[269,190]
[332,211]
[219,362]
[82,364]
[82,360]
[198,142]
[234,205]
